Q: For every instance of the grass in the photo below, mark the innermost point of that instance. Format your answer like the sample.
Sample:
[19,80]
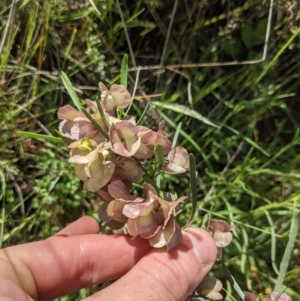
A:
[241,122]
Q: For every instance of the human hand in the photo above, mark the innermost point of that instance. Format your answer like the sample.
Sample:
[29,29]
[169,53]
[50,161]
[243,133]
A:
[78,257]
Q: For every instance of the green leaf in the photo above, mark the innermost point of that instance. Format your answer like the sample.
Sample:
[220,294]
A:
[252,54]
[194,114]
[185,111]
[68,85]
[95,8]
[102,113]
[176,134]
[261,297]
[247,34]
[159,156]
[134,88]
[232,46]
[288,251]
[279,292]
[124,71]
[193,189]
[136,82]
[97,125]
[40,136]
[275,58]
[249,140]
[273,242]
[144,113]
[233,282]
[260,30]
[149,180]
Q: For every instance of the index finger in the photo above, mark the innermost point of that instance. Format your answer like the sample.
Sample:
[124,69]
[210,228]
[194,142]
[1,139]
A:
[61,265]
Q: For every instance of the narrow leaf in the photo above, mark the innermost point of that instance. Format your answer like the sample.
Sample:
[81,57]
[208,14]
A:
[288,251]
[185,111]
[189,138]
[102,113]
[92,120]
[249,140]
[176,134]
[233,282]
[232,46]
[40,136]
[149,180]
[68,85]
[134,88]
[193,188]
[136,81]
[279,292]
[159,156]
[273,242]
[124,71]
[144,113]
[95,8]
[260,30]
[247,34]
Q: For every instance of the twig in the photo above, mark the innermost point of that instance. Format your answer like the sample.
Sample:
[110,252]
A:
[268,30]
[216,64]
[196,65]
[126,34]
[168,32]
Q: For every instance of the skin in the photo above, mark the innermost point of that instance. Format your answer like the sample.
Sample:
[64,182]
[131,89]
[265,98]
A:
[78,256]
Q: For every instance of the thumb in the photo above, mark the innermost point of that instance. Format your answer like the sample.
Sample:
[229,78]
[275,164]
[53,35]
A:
[162,275]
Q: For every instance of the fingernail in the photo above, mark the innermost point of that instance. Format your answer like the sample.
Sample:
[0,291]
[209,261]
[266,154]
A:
[203,244]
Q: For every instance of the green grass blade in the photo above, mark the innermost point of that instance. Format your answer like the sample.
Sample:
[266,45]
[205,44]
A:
[176,134]
[192,113]
[92,120]
[143,114]
[68,85]
[273,242]
[278,54]
[40,136]
[149,180]
[95,8]
[136,82]
[185,111]
[69,47]
[279,292]
[134,88]
[189,138]
[193,189]
[288,251]
[124,71]
[159,156]
[233,282]
[250,141]
[245,248]
[102,113]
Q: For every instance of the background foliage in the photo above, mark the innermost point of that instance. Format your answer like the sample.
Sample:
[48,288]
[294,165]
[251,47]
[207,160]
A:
[240,120]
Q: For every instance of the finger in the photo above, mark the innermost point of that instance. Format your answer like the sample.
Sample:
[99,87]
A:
[61,265]
[10,291]
[166,276]
[84,225]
